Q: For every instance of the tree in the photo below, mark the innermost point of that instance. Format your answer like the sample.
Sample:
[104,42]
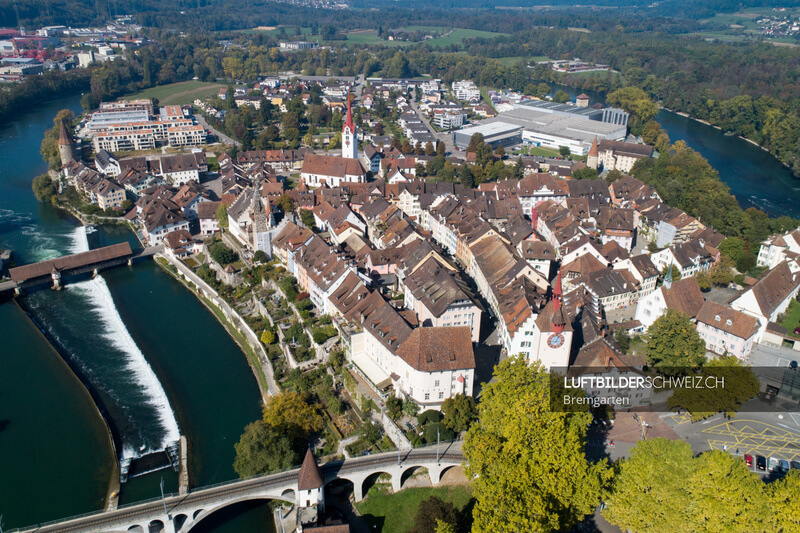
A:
[291,413]
[721,274]
[410,407]
[429,150]
[307,216]
[444,527]
[371,432]
[542,90]
[725,496]
[655,473]
[623,339]
[564,151]
[636,102]
[474,142]
[394,406]
[440,149]
[222,254]
[519,169]
[783,498]
[459,412]
[712,492]
[49,147]
[561,97]
[528,461]
[286,203]
[613,175]
[466,177]
[674,345]
[585,173]
[733,384]
[703,281]
[432,511]
[43,188]
[267,337]
[263,449]
[260,256]
[222,215]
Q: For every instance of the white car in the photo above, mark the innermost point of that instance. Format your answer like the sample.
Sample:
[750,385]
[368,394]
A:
[774,464]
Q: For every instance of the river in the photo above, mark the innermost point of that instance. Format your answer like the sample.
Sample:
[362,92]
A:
[754,176]
[156,360]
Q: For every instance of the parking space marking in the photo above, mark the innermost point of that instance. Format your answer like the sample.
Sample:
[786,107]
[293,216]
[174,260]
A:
[750,436]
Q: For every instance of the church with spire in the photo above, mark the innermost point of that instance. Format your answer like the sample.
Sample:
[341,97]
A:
[349,137]
[332,171]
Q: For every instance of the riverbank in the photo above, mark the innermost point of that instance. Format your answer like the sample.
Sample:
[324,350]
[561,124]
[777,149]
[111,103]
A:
[239,331]
[707,123]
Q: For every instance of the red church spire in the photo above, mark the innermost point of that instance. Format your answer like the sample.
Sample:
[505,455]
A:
[349,122]
[557,321]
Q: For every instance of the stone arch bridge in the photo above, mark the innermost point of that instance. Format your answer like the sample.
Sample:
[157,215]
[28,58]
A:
[185,512]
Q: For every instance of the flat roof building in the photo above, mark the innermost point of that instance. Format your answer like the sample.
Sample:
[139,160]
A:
[495,133]
[553,127]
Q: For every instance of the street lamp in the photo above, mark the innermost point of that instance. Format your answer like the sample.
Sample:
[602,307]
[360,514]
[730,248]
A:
[163,499]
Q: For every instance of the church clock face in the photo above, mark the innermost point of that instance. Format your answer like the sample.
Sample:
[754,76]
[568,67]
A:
[556,340]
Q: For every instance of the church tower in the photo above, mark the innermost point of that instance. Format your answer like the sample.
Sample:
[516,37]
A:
[593,157]
[261,223]
[66,145]
[349,139]
[555,342]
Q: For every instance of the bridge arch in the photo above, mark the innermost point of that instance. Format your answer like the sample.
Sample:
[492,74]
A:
[136,529]
[155,526]
[202,514]
[374,478]
[411,471]
[445,470]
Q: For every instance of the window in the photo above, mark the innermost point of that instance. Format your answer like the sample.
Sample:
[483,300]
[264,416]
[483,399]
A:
[441,395]
[436,383]
[427,395]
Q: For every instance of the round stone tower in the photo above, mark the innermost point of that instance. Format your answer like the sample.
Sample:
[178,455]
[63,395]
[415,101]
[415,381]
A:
[66,145]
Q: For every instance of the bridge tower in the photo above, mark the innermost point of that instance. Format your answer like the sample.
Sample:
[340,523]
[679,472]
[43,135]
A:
[310,484]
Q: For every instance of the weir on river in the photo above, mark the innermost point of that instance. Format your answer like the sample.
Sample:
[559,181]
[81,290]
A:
[177,361]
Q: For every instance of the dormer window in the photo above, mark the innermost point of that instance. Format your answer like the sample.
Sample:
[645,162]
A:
[717,318]
[728,322]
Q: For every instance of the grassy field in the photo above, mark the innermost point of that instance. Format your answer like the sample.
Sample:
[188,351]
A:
[394,513]
[510,61]
[181,93]
[791,318]
[455,36]
[459,34]
[289,31]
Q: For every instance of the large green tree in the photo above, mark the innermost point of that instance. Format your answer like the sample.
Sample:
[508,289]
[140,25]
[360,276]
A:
[648,492]
[673,343]
[528,460]
[459,412]
[636,102]
[663,488]
[263,449]
[727,385]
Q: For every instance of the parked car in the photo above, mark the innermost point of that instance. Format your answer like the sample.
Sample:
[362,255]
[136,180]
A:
[784,465]
[774,464]
[761,463]
[795,465]
[748,460]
